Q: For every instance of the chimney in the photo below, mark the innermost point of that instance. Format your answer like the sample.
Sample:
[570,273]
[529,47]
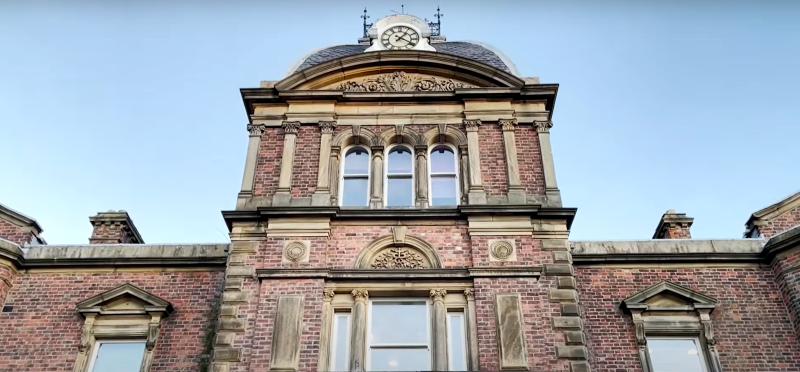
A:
[114,227]
[674,225]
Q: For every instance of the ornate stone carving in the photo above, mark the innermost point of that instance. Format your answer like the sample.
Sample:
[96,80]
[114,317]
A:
[256,130]
[472,125]
[327,127]
[641,340]
[543,126]
[399,81]
[399,235]
[469,293]
[508,124]
[290,127]
[327,294]
[438,294]
[360,294]
[86,335]
[501,250]
[152,335]
[398,258]
[708,329]
[295,251]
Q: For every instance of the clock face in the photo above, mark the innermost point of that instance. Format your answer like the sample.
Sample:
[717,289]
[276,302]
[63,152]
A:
[400,38]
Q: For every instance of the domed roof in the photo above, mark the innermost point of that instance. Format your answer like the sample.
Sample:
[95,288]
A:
[479,52]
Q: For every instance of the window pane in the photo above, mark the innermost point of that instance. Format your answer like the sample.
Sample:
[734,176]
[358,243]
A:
[399,160]
[399,323]
[119,357]
[443,190]
[356,161]
[399,192]
[341,342]
[670,355]
[443,160]
[400,360]
[456,343]
[355,191]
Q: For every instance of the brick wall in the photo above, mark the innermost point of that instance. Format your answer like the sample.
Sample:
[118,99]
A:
[268,166]
[493,159]
[7,276]
[306,161]
[529,159]
[784,268]
[14,233]
[751,324]
[781,223]
[43,331]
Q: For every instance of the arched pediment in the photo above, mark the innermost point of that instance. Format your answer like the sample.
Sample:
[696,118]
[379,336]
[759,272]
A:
[398,251]
[399,71]
[450,134]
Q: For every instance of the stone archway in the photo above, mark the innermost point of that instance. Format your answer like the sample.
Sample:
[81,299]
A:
[398,251]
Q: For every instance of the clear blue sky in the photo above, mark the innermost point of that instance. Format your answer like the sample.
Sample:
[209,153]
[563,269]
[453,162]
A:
[689,105]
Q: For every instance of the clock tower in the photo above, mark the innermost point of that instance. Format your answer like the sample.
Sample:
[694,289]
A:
[400,32]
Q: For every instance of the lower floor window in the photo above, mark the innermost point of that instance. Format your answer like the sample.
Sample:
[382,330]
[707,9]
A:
[117,356]
[398,337]
[672,354]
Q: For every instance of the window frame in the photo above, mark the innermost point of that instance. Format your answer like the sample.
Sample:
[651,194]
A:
[412,176]
[343,176]
[368,344]
[334,330]
[695,338]
[455,173]
[464,345]
[96,349]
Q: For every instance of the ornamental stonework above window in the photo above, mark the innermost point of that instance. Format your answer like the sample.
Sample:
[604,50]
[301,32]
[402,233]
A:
[399,258]
[399,81]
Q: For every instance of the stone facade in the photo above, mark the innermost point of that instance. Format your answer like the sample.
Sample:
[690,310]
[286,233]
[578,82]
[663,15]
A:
[497,259]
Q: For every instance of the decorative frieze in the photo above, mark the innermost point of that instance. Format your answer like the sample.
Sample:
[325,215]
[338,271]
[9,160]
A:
[399,258]
[400,81]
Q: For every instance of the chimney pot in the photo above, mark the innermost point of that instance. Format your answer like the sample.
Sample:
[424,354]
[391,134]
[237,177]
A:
[114,227]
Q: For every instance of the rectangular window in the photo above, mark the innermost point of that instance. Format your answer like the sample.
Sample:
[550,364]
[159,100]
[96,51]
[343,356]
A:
[340,347]
[668,354]
[398,336]
[117,356]
[456,342]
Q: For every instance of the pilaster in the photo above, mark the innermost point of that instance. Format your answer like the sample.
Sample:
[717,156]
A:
[439,320]
[550,184]
[376,201]
[477,195]
[253,145]
[322,195]
[516,195]
[463,151]
[358,330]
[283,195]
[422,176]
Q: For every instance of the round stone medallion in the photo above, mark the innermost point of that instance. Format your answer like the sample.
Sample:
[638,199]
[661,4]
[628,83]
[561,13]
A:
[501,250]
[295,251]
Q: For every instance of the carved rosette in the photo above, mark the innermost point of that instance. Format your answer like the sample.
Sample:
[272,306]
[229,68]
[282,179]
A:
[290,127]
[438,294]
[399,81]
[508,124]
[256,130]
[360,294]
[399,258]
[327,127]
[295,251]
[472,125]
[543,126]
[501,250]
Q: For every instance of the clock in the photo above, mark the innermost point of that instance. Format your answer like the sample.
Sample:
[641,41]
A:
[400,38]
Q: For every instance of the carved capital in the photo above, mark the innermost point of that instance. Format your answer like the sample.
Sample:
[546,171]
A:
[508,124]
[708,329]
[543,126]
[641,340]
[152,335]
[469,293]
[438,294]
[290,127]
[472,125]
[256,130]
[86,335]
[360,295]
[327,127]
[327,295]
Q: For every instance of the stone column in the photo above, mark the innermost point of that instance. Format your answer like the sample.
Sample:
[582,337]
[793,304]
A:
[325,332]
[283,196]
[472,329]
[322,194]
[515,193]
[550,185]
[358,331]
[334,177]
[376,175]
[476,193]
[250,164]
[439,326]
[422,176]
[464,177]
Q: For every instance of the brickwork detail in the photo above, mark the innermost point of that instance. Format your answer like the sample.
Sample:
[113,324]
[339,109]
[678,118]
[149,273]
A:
[529,159]
[268,165]
[786,269]
[14,233]
[306,161]
[751,326]
[493,159]
[781,223]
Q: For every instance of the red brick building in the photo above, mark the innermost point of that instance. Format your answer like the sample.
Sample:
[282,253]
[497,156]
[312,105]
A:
[399,210]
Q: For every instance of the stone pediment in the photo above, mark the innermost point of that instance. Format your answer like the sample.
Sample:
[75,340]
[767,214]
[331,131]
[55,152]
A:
[126,299]
[400,81]
[667,296]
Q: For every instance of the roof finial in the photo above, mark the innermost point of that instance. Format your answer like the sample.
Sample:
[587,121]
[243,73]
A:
[436,27]
[366,25]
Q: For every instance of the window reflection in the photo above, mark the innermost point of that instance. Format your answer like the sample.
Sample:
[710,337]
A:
[355,178]
[444,179]
[399,178]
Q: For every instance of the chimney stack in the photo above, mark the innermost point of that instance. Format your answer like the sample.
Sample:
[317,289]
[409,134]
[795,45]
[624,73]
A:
[114,227]
[674,225]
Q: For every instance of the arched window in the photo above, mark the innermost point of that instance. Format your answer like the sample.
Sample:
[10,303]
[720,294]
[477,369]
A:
[400,177]
[444,176]
[355,178]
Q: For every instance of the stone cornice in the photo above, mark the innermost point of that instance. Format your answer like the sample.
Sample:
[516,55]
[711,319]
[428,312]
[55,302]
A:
[400,274]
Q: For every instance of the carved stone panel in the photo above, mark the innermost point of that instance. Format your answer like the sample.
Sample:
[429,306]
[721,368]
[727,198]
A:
[399,258]
[285,354]
[510,332]
[400,81]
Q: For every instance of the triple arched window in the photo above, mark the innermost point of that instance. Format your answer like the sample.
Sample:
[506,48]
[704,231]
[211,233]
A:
[400,176]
